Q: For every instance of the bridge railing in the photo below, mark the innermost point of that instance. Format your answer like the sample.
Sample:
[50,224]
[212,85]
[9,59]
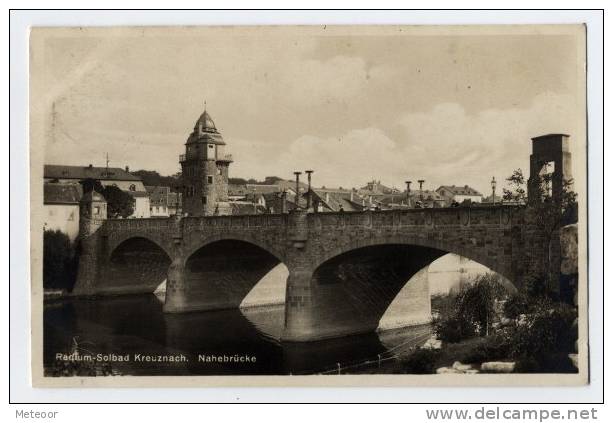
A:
[462,216]
[428,217]
[234,221]
[140,223]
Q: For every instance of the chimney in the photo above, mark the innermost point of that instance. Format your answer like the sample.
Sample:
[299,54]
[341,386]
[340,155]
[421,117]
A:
[128,169]
[90,166]
[327,197]
[309,193]
[351,195]
[284,202]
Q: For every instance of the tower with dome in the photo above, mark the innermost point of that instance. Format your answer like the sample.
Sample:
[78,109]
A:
[204,168]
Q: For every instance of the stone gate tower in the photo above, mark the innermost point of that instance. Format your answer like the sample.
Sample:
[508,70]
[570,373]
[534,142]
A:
[550,153]
[92,213]
[205,171]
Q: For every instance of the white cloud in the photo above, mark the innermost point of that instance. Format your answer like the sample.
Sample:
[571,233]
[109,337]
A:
[449,146]
[346,160]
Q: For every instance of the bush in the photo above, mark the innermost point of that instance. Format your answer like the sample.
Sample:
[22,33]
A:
[551,363]
[59,261]
[471,311]
[493,347]
[453,328]
[548,329]
[516,305]
[422,361]
[544,340]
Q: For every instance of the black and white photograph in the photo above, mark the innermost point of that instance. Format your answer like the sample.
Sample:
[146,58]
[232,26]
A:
[308,205]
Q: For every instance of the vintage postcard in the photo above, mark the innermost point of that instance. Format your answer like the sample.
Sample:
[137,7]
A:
[308,206]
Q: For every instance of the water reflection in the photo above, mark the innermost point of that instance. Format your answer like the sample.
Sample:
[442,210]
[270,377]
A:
[137,325]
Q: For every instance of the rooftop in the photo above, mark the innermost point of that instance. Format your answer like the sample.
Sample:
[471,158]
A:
[205,130]
[459,190]
[88,172]
[61,194]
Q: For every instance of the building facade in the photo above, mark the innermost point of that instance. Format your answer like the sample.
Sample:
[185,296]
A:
[61,208]
[459,194]
[161,202]
[205,168]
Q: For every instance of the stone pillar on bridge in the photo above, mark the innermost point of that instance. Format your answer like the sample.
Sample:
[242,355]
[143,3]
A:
[176,299]
[549,152]
[298,307]
[550,156]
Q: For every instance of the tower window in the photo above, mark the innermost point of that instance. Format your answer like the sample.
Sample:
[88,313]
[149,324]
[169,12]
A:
[209,179]
[211,146]
[203,200]
[219,171]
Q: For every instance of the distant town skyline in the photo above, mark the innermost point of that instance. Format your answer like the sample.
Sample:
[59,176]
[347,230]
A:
[353,106]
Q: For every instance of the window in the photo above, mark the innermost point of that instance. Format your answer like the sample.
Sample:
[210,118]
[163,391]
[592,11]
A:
[96,210]
[219,171]
[132,187]
[211,146]
[203,200]
[209,179]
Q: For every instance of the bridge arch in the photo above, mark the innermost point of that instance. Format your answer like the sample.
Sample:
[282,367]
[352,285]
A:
[473,253]
[237,237]
[114,242]
[136,264]
[221,271]
[353,285]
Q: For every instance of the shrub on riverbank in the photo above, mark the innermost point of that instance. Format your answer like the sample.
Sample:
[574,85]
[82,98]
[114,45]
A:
[470,312]
[421,361]
[545,337]
[535,329]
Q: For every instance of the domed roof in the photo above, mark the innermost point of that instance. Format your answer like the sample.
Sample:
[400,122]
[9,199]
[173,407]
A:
[93,196]
[205,130]
[205,122]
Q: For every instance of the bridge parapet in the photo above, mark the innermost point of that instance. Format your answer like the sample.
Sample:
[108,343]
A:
[126,225]
[460,216]
[252,222]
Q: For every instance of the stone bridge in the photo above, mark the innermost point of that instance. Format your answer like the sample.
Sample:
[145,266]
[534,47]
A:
[345,269]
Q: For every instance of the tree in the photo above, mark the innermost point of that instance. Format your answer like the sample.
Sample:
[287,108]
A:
[153,178]
[477,302]
[237,181]
[119,203]
[546,212]
[271,180]
[545,338]
[59,261]
[471,311]
[90,185]
[517,183]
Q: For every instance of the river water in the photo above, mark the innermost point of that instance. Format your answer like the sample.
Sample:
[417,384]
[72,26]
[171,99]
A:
[133,325]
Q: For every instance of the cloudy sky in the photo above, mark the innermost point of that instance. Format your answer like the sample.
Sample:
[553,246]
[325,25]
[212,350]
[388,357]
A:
[452,107]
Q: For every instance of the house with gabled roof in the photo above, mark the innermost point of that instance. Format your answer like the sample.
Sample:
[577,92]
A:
[459,194]
[61,208]
[121,178]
